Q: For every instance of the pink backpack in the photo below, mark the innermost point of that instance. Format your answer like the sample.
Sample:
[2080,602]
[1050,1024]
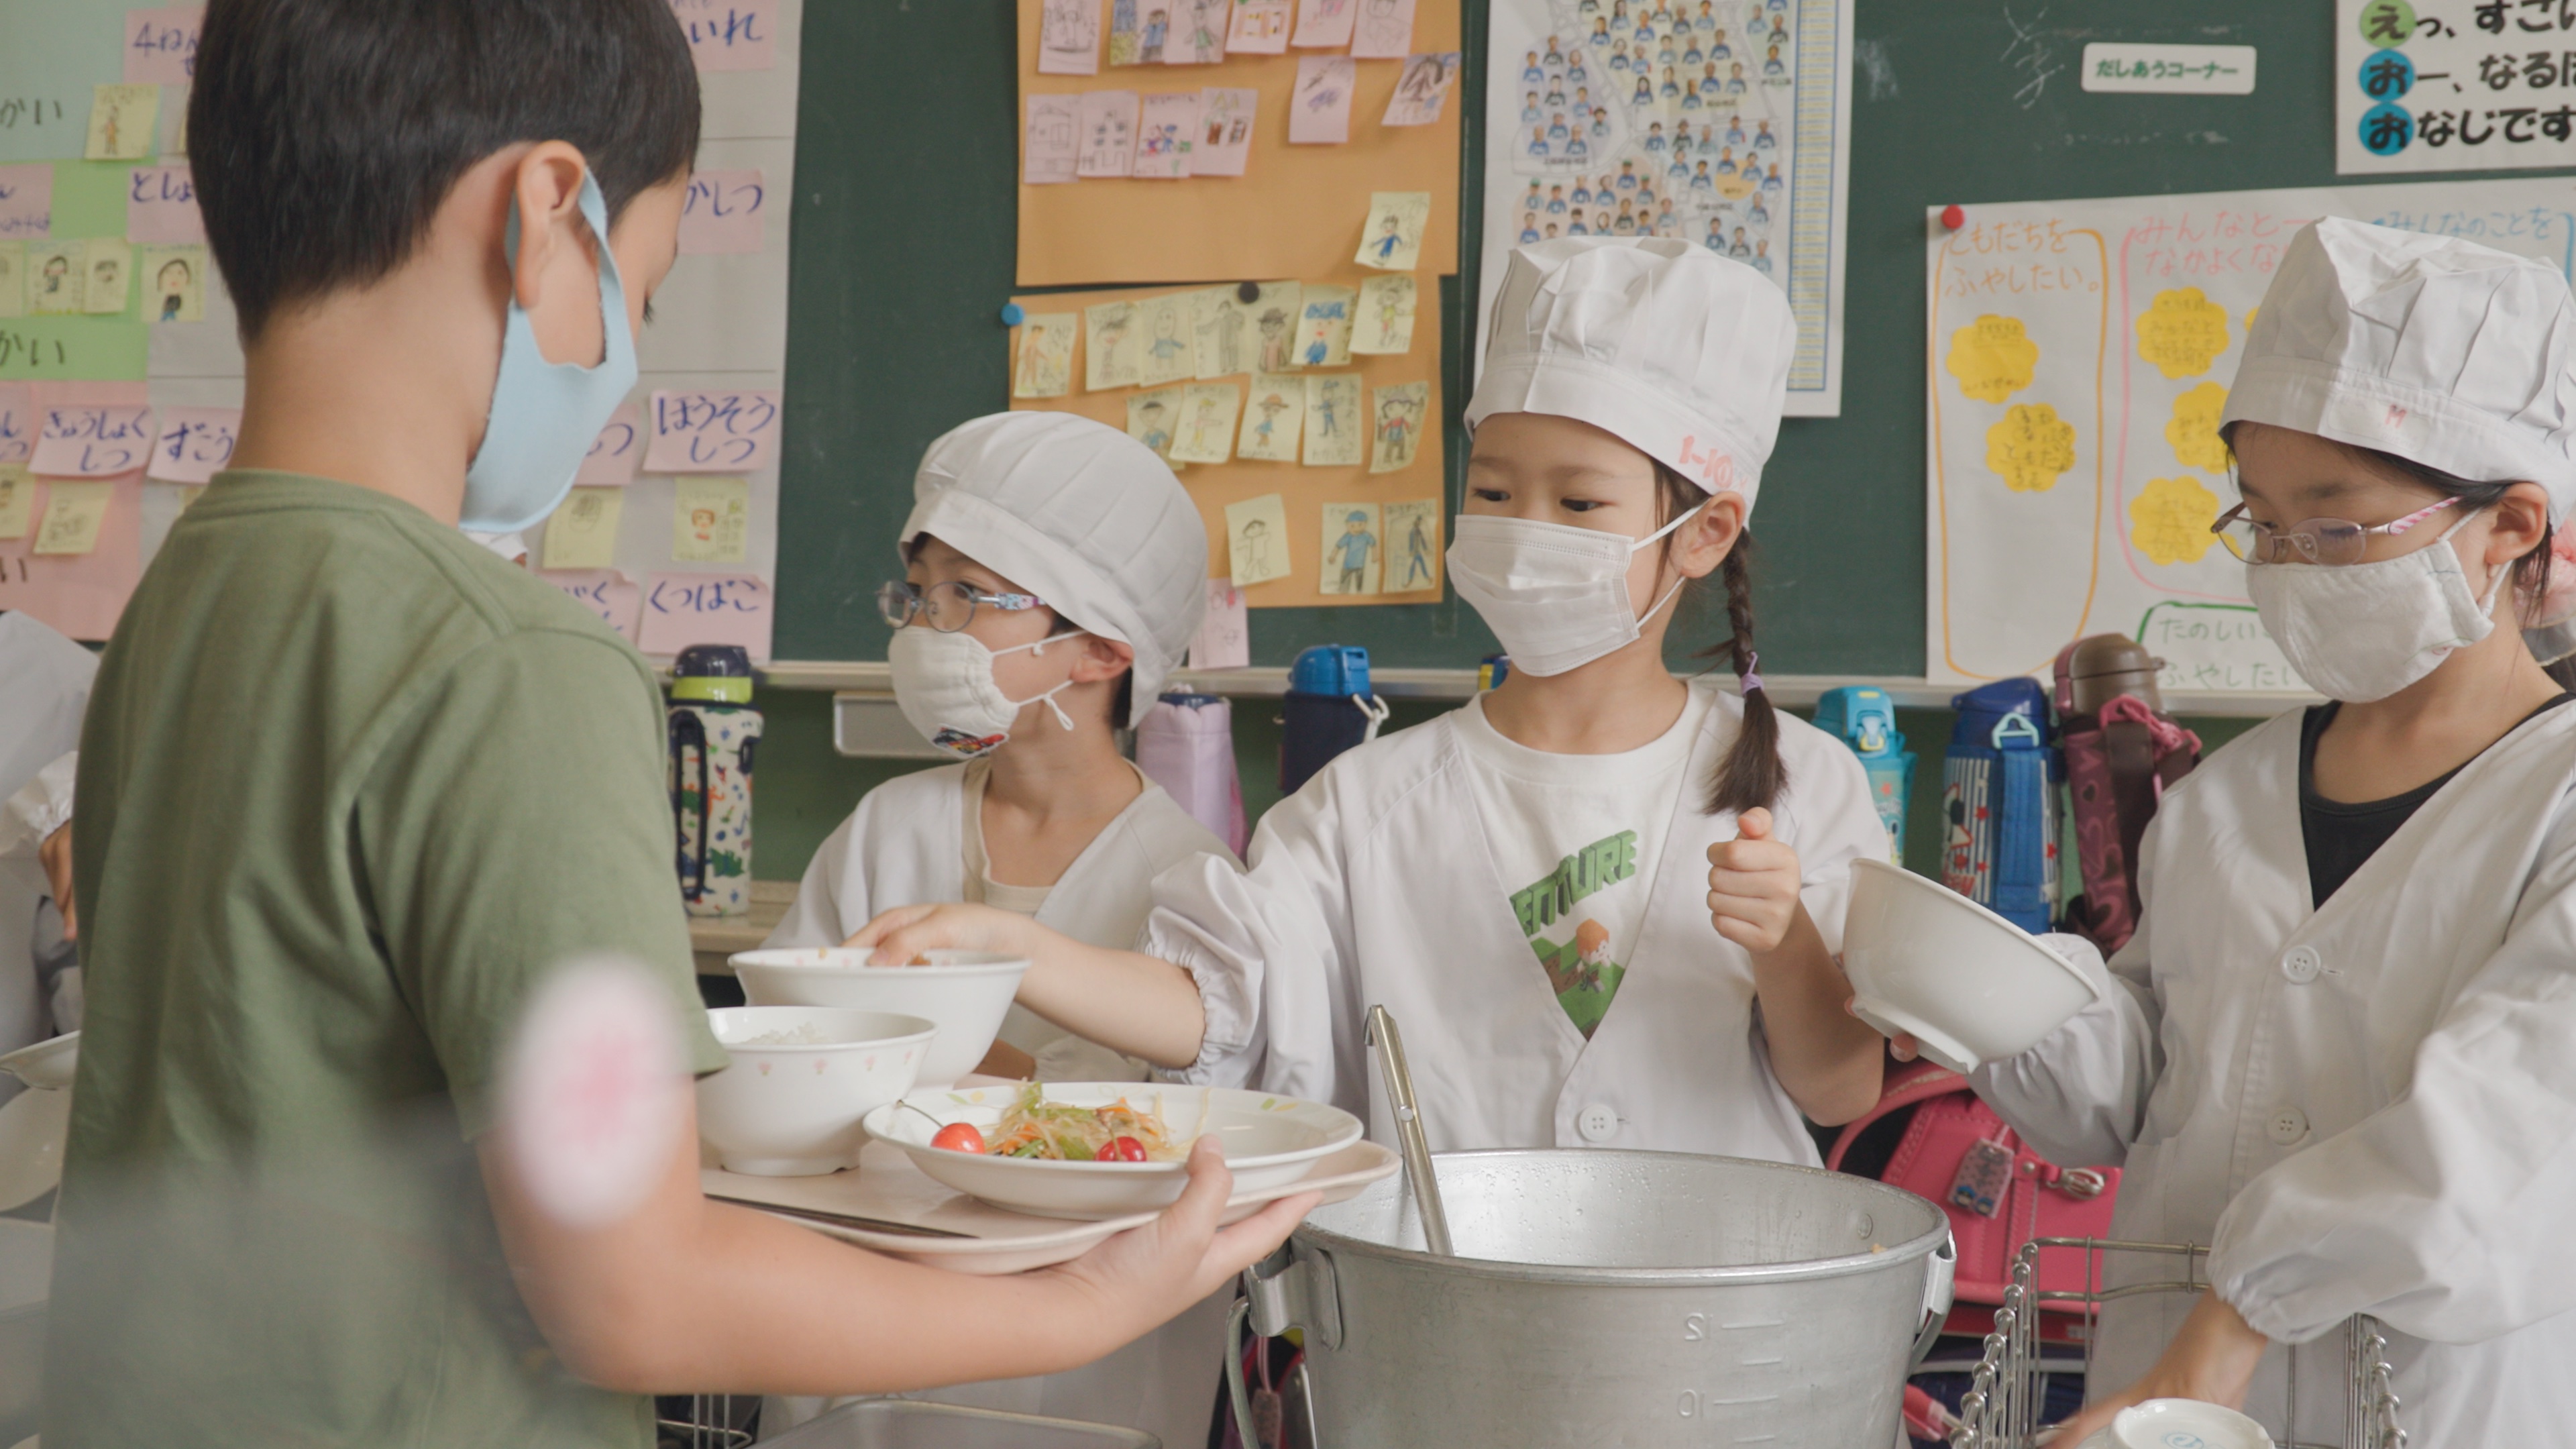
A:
[1997,1193]
[2121,754]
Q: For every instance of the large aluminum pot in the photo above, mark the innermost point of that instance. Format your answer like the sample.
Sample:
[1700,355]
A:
[1612,1299]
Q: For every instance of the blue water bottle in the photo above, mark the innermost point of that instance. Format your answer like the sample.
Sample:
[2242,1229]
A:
[1328,709]
[1864,717]
[1999,802]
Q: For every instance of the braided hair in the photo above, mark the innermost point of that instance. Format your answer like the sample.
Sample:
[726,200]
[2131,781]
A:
[1752,775]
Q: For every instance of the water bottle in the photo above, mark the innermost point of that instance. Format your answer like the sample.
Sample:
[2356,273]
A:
[1328,709]
[713,730]
[1999,802]
[1864,717]
[1185,744]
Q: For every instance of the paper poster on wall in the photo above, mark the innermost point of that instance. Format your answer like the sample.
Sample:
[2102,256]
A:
[1349,545]
[1260,27]
[195,443]
[2453,85]
[1319,108]
[2080,355]
[1412,546]
[1226,117]
[684,609]
[1747,154]
[26,201]
[1069,37]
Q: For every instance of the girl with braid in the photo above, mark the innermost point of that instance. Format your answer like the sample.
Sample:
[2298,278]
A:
[1674,855]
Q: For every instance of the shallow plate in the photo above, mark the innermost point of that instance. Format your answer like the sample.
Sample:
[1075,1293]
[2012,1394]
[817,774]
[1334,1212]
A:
[34,1125]
[887,1188]
[967,993]
[1269,1141]
[49,1063]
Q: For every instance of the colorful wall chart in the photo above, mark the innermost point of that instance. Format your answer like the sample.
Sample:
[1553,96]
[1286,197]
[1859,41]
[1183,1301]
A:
[1726,123]
[2454,85]
[2079,357]
[115,330]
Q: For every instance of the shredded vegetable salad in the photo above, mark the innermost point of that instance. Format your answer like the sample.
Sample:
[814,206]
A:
[1057,1132]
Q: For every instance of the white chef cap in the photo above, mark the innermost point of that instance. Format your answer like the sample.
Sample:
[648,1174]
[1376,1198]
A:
[1081,515]
[2441,351]
[1669,346]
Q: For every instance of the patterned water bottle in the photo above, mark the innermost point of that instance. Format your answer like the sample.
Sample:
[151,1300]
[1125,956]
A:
[713,730]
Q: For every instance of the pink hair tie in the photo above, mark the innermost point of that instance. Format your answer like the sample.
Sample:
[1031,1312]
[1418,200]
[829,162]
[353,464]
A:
[1749,679]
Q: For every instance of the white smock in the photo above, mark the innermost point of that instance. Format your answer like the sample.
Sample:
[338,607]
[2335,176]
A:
[2364,1107]
[1373,885]
[44,689]
[905,845]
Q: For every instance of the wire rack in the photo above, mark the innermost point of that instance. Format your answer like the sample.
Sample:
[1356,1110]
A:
[2002,1408]
[702,1421]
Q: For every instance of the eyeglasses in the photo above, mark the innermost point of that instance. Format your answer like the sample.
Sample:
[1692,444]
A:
[946,607]
[2331,541]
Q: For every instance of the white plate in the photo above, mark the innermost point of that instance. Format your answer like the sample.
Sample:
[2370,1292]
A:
[966,992]
[887,1187]
[49,1063]
[1269,1140]
[34,1126]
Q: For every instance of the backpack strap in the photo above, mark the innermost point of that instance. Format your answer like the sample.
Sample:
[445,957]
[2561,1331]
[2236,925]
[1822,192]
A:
[1914,1082]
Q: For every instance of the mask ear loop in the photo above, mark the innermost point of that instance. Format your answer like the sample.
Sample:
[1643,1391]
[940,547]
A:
[1048,698]
[1650,538]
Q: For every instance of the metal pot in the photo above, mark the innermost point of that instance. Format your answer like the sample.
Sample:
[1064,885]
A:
[1610,1298]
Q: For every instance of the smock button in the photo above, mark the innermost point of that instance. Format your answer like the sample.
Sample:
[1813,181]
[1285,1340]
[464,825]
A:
[2288,1125]
[2302,964]
[1597,1124]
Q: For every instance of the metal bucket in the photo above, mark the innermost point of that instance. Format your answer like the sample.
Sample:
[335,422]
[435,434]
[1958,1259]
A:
[1611,1299]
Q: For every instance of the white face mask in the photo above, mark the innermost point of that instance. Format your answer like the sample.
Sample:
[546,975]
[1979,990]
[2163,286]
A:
[944,685]
[2361,632]
[1555,595]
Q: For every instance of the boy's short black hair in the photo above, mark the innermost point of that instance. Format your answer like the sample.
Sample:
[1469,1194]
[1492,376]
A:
[325,134]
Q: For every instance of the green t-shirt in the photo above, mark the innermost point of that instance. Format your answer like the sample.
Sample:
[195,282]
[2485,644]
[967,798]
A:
[350,786]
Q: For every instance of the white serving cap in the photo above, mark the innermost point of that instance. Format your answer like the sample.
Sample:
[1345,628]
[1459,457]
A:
[1676,350]
[1081,515]
[2441,351]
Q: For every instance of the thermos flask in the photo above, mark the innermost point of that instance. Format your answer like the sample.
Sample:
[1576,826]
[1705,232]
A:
[713,730]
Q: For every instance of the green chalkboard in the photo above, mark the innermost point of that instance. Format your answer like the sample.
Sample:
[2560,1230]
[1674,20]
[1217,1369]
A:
[903,219]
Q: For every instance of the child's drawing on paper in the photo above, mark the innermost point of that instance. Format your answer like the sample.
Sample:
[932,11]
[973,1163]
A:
[1150,416]
[56,272]
[1260,27]
[1256,540]
[1382,29]
[1319,109]
[1412,546]
[1107,134]
[1109,348]
[121,122]
[1274,323]
[1207,423]
[1384,326]
[1198,37]
[1047,150]
[1351,562]
[1391,238]
[1166,352]
[1220,324]
[1225,130]
[1324,329]
[1158,31]
[1422,90]
[1325,24]
[1165,135]
[1046,355]
[1272,421]
[177,276]
[105,289]
[1398,425]
[1335,431]
[1069,37]
[1126,40]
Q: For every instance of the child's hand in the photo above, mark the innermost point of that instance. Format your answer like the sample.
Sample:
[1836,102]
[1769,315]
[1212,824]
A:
[899,935]
[1146,1275]
[1753,885]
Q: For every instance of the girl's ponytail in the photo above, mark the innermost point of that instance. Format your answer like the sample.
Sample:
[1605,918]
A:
[1752,775]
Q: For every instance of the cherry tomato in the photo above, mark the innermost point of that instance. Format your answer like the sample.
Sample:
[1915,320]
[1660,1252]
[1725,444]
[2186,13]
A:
[959,1137]
[1121,1149]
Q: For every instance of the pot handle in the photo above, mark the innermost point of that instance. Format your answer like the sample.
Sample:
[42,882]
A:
[1940,1275]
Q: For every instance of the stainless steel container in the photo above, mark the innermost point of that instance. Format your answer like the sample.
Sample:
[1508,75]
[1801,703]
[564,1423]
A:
[1612,1299]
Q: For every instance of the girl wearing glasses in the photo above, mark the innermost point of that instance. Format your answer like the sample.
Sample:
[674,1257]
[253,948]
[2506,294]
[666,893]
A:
[2339,1051]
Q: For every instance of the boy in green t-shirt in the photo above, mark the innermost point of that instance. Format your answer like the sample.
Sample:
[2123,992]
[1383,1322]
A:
[353,790]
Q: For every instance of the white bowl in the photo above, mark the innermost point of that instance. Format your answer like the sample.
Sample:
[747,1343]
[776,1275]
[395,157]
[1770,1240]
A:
[48,1064]
[1969,985]
[791,1108]
[966,992]
[1268,1140]
[2185,1424]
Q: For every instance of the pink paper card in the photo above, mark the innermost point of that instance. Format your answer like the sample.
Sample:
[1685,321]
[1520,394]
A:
[161,45]
[713,432]
[26,200]
[730,34]
[725,212]
[1108,134]
[161,206]
[605,592]
[1048,146]
[1319,110]
[1383,31]
[1198,32]
[615,454]
[1324,24]
[196,443]
[79,594]
[1260,27]
[684,609]
[99,440]
[1225,131]
[17,422]
[1069,37]
[1421,90]
[1166,135]
[1225,632]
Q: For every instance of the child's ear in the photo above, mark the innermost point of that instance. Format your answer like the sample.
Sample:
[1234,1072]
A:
[547,183]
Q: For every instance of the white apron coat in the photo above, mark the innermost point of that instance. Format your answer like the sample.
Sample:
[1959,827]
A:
[1373,886]
[905,845]
[2364,1108]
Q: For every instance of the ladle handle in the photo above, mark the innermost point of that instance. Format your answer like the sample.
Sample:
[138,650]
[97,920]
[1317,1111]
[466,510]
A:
[1382,1034]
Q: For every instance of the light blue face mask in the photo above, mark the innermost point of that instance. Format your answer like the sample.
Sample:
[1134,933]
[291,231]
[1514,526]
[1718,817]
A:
[545,415]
